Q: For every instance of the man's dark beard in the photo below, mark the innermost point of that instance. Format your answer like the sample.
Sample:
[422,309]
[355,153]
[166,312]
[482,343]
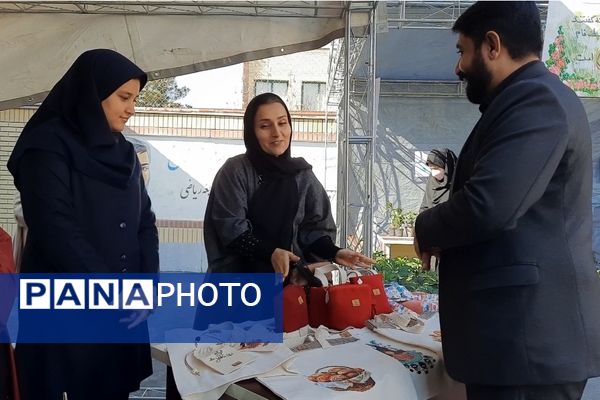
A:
[478,80]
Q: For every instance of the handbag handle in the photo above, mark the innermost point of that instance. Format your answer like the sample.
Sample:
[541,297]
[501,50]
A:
[320,273]
[360,272]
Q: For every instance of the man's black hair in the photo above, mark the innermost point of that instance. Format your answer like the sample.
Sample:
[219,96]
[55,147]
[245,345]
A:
[516,22]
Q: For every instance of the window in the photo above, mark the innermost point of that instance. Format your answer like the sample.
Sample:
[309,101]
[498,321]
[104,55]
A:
[313,96]
[280,88]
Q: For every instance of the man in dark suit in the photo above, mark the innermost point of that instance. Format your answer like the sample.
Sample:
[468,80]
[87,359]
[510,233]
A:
[519,295]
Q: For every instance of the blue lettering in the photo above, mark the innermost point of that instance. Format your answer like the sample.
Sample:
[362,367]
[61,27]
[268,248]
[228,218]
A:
[68,294]
[137,288]
[99,291]
[31,293]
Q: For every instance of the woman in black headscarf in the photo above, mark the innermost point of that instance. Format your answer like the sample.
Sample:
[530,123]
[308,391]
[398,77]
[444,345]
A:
[88,211]
[437,189]
[267,209]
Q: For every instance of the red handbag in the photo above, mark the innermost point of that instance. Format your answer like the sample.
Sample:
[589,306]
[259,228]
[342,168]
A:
[7,263]
[375,282]
[348,305]
[339,306]
[317,308]
[295,311]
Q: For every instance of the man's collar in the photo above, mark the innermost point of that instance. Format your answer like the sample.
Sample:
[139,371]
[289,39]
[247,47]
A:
[526,71]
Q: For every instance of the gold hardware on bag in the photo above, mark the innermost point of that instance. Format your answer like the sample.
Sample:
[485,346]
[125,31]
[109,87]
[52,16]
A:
[356,303]
[300,301]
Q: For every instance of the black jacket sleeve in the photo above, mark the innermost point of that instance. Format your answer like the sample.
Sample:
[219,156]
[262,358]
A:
[248,245]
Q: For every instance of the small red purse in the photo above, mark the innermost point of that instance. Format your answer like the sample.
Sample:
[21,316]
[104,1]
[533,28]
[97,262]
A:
[348,305]
[295,311]
[375,282]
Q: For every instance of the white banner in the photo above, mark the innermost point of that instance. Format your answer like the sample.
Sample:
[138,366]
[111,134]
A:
[572,44]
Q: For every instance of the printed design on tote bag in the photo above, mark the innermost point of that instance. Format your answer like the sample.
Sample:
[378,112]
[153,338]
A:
[414,360]
[342,378]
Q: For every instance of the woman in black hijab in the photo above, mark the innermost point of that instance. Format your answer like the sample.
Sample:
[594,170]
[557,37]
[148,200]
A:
[437,189]
[267,209]
[87,210]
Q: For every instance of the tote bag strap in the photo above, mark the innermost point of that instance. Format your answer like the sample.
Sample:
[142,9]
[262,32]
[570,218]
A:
[321,272]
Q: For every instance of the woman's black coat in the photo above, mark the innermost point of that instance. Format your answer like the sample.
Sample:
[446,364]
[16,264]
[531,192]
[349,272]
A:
[87,211]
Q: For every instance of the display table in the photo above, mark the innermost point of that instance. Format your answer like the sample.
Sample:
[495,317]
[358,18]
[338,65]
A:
[419,366]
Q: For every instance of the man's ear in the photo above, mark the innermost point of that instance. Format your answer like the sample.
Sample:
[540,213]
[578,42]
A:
[492,45]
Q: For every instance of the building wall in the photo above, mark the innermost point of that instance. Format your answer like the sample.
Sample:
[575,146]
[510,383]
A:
[224,124]
[407,128]
[233,87]
[11,125]
[308,66]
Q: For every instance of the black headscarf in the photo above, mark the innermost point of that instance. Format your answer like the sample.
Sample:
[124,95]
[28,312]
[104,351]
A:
[75,102]
[275,203]
[446,159]
[264,163]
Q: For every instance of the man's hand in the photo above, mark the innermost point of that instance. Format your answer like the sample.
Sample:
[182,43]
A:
[281,261]
[349,258]
[425,256]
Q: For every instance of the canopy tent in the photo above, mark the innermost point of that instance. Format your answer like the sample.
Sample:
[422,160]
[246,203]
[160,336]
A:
[40,39]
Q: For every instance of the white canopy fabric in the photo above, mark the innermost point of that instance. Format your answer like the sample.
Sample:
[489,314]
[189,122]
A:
[38,47]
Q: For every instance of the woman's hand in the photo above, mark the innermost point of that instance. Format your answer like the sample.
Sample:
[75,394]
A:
[349,258]
[281,261]
[135,318]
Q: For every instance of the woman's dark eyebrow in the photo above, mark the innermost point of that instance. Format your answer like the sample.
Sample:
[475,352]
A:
[268,119]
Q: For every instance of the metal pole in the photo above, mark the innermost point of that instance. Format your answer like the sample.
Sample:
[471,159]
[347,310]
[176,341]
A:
[346,133]
[368,226]
[326,131]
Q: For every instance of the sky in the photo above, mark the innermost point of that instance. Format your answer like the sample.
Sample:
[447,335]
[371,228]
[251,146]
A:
[215,88]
